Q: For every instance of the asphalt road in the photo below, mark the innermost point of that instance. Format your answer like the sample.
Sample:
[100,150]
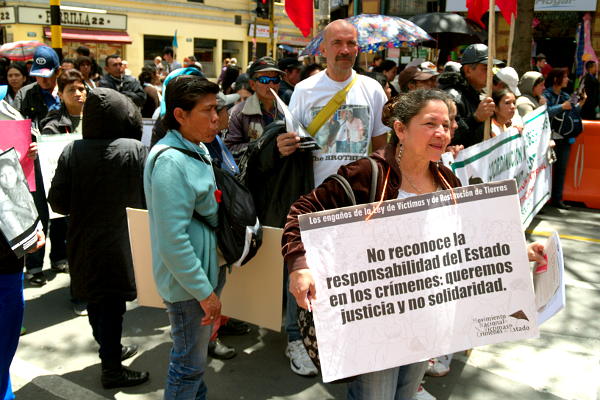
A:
[57,358]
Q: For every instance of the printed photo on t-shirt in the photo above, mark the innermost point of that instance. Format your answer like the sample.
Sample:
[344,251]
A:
[347,131]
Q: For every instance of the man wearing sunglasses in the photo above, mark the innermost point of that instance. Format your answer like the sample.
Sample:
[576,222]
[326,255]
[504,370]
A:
[248,119]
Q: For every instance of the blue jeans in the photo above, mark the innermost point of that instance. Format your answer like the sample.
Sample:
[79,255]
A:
[291,310]
[187,362]
[12,306]
[400,383]
[188,354]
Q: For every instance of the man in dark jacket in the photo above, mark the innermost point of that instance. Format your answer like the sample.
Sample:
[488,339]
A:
[98,241]
[291,66]
[35,101]
[592,90]
[465,88]
[125,84]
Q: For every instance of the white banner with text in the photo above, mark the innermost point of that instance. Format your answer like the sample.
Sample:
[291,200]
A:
[425,276]
[523,157]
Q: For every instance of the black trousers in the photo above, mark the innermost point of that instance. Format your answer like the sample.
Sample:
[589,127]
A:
[106,319]
[559,171]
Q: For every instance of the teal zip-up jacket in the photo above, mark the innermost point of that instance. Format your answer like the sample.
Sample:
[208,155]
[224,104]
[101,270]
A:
[184,250]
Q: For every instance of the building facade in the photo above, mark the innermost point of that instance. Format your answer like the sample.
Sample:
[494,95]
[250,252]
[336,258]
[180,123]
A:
[138,30]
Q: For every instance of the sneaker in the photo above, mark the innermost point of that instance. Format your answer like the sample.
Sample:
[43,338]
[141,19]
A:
[128,351]
[423,394]
[80,308]
[123,377]
[300,362]
[38,279]
[436,368]
[60,266]
[218,350]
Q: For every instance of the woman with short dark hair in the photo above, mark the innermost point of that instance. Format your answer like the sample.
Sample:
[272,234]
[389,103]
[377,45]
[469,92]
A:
[559,105]
[16,75]
[178,184]
[148,79]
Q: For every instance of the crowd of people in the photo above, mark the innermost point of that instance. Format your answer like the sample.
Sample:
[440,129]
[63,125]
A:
[406,118]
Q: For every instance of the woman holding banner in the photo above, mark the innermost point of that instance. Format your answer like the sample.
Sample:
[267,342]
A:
[408,166]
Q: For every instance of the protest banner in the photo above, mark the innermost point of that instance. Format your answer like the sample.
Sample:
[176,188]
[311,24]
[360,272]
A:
[19,220]
[425,276]
[249,291]
[50,147]
[17,134]
[549,282]
[523,157]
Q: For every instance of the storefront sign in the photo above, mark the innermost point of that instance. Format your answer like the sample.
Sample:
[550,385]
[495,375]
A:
[293,40]
[540,5]
[7,15]
[261,31]
[428,275]
[41,16]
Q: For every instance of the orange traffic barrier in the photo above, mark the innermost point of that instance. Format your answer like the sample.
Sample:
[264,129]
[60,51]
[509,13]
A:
[582,182]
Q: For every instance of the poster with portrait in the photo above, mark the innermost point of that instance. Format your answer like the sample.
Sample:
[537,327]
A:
[18,216]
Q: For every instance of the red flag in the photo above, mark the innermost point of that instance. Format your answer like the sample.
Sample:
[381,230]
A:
[301,14]
[476,9]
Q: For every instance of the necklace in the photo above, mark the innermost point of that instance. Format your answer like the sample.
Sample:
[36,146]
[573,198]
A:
[419,191]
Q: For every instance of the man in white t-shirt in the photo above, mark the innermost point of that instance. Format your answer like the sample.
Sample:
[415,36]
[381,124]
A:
[364,101]
[359,116]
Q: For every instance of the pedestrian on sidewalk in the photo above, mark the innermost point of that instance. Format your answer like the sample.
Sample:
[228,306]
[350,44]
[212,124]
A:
[177,185]
[96,179]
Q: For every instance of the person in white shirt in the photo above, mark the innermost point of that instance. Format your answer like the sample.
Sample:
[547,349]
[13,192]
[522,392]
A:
[364,105]
[365,98]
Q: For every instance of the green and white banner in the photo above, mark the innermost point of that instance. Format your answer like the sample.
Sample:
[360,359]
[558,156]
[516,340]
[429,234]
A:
[523,157]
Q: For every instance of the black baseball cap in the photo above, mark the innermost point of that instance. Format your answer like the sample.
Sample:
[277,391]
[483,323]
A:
[263,64]
[476,54]
[289,63]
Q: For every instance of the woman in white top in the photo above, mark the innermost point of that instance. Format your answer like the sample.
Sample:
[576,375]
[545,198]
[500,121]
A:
[505,101]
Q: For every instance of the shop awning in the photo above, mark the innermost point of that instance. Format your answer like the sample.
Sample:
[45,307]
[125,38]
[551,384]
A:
[92,36]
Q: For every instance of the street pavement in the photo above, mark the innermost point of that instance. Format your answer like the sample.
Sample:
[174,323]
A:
[57,358]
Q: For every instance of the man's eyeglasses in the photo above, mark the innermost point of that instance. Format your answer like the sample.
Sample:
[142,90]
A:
[265,80]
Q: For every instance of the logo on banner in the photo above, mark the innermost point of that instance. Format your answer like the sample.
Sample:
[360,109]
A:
[501,323]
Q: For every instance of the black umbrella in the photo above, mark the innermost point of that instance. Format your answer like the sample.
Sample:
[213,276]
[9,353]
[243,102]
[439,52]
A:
[450,30]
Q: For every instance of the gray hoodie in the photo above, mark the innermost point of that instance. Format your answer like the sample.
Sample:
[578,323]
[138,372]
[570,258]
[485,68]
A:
[527,101]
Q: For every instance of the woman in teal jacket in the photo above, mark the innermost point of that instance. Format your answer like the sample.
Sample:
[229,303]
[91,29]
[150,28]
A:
[184,249]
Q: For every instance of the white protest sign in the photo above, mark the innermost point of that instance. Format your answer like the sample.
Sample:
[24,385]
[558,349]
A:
[549,282]
[50,147]
[423,277]
[147,126]
[523,157]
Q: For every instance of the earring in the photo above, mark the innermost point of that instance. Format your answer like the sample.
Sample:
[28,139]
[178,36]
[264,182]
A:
[399,152]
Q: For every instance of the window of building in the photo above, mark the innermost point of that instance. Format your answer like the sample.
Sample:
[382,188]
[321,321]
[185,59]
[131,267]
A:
[261,50]
[154,45]
[204,51]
